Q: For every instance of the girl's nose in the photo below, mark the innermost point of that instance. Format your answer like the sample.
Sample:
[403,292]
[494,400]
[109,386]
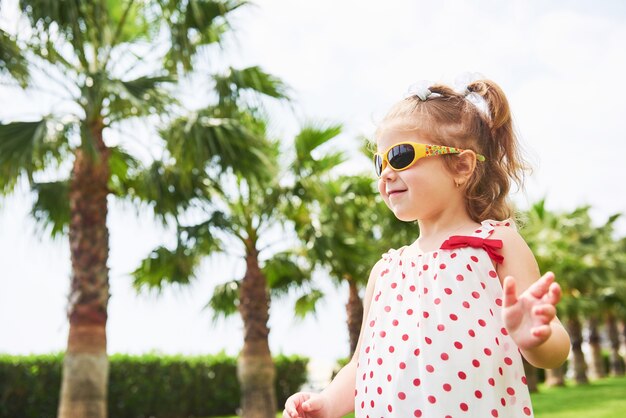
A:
[387,174]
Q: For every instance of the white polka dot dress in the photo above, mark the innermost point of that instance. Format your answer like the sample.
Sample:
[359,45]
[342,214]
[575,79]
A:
[434,343]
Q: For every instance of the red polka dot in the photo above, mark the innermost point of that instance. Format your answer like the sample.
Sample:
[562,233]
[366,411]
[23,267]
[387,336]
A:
[453,317]
[425,314]
[416,352]
[387,308]
[430,368]
[493,274]
[527,410]
[372,323]
[428,340]
[437,301]
[452,255]
[442,266]
[402,365]
[447,387]
[441,327]
[463,406]
[478,394]
[448,291]
[445,356]
[399,297]
[425,267]
[504,331]
[471,333]
[432,399]
[492,381]
[416,382]
[487,351]
[394,322]
[503,401]
[379,390]
[401,396]
[379,361]
[417,413]
[409,312]
[388,378]
[394,285]
[389,408]
[475,363]
[435,254]
[494,412]
[391,349]
[466,304]
[482,322]
[405,337]
[474,259]
[508,361]
[458,345]
[475,295]
[459,277]
[524,379]
[371,374]
[383,334]
[469,267]
[499,302]
[483,285]
[412,288]
[372,403]
[425,290]
[362,404]
[510,391]
[462,375]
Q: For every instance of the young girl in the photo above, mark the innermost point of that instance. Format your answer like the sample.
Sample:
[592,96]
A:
[448,318]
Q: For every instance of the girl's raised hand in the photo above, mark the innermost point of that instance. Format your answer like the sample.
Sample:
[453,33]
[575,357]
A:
[527,317]
[306,405]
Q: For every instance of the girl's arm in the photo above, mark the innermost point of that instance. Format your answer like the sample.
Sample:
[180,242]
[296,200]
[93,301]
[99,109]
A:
[337,399]
[529,309]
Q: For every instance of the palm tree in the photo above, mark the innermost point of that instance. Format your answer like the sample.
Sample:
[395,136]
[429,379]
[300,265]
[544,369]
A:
[347,229]
[110,61]
[244,212]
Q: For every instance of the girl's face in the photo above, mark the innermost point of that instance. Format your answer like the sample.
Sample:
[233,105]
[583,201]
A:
[419,192]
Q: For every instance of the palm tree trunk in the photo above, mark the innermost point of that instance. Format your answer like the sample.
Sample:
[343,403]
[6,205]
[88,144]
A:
[255,367]
[578,357]
[597,369]
[616,363]
[555,377]
[85,365]
[354,308]
[531,376]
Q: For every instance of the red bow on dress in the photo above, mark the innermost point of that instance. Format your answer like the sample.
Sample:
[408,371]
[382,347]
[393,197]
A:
[489,245]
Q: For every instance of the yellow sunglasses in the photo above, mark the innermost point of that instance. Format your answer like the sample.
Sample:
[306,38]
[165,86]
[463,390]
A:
[403,155]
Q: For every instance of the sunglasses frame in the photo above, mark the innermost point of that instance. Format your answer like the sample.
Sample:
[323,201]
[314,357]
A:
[420,151]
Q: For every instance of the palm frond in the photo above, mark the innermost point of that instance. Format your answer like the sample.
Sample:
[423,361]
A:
[202,139]
[307,303]
[230,85]
[165,266]
[135,98]
[27,147]
[225,299]
[52,208]
[12,60]
[285,271]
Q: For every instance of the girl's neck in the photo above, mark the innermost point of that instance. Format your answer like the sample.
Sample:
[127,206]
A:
[435,230]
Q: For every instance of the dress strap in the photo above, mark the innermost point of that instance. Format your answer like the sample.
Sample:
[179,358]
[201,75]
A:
[489,245]
[480,239]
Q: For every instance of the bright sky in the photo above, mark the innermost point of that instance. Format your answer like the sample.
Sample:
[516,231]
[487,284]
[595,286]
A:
[561,63]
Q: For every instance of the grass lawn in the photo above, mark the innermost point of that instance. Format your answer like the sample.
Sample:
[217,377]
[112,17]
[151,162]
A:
[604,398]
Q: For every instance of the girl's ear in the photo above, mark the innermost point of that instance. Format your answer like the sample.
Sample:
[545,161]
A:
[464,166]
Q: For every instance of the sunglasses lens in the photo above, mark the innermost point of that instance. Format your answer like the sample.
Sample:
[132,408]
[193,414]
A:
[378,164]
[401,156]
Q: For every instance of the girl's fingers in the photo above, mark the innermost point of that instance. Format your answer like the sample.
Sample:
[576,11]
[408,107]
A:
[554,293]
[542,332]
[313,404]
[546,312]
[541,286]
[510,292]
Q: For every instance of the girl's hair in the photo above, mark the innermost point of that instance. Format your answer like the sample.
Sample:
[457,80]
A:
[447,117]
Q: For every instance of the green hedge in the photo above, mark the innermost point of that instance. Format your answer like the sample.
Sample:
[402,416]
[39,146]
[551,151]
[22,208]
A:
[141,386]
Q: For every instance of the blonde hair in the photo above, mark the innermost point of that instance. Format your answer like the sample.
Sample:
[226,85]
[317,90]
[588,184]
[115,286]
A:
[448,117]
